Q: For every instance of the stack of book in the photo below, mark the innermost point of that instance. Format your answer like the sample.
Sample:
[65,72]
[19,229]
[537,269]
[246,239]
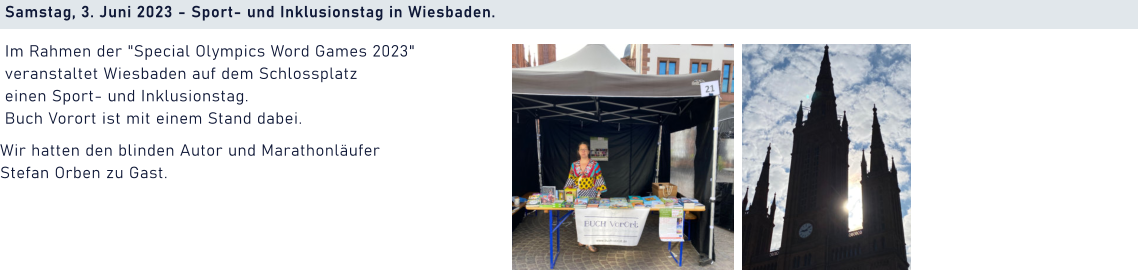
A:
[636,202]
[668,202]
[653,201]
[594,203]
[604,204]
[534,199]
[689,203]
[619,203]
[581,203]
[549,198]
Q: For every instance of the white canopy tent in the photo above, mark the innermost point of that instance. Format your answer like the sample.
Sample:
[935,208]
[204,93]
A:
[593,85]
[595,71]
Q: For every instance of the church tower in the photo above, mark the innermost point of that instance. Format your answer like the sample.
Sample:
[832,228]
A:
[817,189]
[881,205]
[816,234]
[758,224]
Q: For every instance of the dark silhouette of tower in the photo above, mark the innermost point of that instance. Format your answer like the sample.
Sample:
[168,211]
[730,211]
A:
[816,234]
[882,206]
[758,224]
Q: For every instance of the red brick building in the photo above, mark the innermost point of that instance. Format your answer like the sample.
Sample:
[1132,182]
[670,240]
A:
[521,58]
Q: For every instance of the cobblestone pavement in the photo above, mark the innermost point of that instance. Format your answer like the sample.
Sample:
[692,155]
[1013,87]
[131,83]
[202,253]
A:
[529,250]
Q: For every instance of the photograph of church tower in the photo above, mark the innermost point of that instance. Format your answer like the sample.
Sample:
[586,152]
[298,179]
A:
[810,113]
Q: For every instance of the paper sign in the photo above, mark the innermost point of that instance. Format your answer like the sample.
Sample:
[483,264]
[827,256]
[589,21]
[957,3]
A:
[671,225]
[710,88]
[599,148]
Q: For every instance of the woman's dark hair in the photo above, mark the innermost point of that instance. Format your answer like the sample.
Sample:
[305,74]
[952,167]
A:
[586,143]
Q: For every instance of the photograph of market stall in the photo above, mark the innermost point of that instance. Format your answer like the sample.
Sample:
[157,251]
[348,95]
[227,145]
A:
[616,160]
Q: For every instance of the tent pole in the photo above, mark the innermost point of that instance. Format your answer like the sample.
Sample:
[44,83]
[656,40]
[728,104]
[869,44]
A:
[538,134]
[715,158]
[660,134]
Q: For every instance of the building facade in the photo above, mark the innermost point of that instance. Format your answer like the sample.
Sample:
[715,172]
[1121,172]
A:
[520,57]
[665,59]
[816,234]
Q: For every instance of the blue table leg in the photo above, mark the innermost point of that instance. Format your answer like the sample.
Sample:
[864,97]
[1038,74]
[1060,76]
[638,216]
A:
[550,238]
[559,236]
[556,220]
[679,261]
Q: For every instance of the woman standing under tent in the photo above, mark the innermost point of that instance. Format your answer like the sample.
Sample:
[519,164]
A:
[585,176]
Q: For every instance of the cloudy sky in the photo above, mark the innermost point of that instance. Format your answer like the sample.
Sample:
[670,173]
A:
[777,77]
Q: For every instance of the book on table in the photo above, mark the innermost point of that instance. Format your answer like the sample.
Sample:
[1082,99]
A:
[549,194]
[581,203]
[619,203]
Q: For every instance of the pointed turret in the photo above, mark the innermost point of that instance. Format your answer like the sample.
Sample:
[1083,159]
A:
[745,199]
[799,117]
[761,186]
[845,127]
[877,148]
[772,214]
[764,181]
[864,163]
[893,167]
[766,159]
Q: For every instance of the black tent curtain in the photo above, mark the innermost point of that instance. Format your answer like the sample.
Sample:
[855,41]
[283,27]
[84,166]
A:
[632,154]
[698,114]
[524,168]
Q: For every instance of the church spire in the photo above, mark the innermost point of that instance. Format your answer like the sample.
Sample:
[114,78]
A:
[893,167]
[863,163]
[772,214]
[763,178]
[768,157]
[825,69]
[844,125]
[877,147]
[763,174]
[799,117]
[745,199]
[823,106]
